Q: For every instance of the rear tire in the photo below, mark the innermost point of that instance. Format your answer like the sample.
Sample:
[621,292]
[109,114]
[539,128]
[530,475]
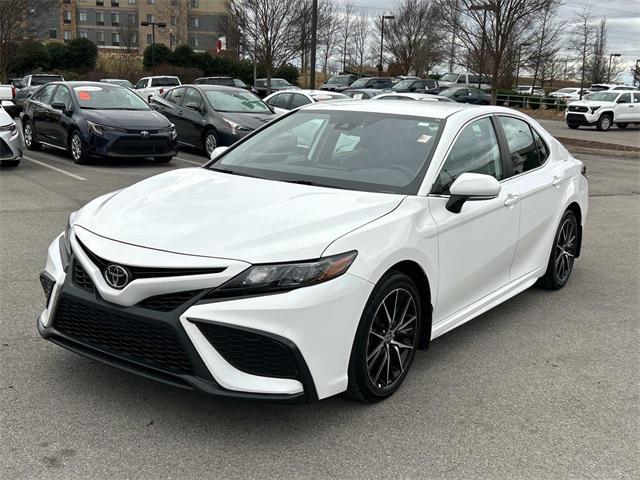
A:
[77,148]
[163,159]
[572,126]
[29,135]
[386,339]
[622,125]
[562,256]
[604,122]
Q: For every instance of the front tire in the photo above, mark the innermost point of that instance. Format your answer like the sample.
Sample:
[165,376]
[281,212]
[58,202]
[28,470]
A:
[77,148]
[209,142]
[30,137]
[561,259]
[163,159]
[386,339]
[604,122]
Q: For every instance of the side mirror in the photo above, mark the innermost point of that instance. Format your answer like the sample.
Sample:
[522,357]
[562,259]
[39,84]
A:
[217,152]
[470,187]
[622,100]
[59,106]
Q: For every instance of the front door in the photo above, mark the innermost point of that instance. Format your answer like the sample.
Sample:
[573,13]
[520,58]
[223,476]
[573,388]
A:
[193,120]
[476,246]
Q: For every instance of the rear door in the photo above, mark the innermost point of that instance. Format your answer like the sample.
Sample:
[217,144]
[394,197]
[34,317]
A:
[40,113]
[625,108]
[172,109]
[540,184]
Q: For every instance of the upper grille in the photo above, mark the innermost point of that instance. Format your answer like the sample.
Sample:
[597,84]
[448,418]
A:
[251,352]
[152,343]
[81,277]
[577,108]
[168,301]
[149,272]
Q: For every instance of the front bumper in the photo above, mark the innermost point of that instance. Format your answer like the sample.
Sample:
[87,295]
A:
[10,147]
[287,347]
[581,118]
[129,145]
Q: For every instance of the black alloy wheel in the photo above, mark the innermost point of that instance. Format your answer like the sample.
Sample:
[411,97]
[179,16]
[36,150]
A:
[563,254]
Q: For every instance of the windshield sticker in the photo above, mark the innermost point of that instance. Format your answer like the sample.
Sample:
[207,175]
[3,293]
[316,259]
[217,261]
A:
[424,138]
[84,95]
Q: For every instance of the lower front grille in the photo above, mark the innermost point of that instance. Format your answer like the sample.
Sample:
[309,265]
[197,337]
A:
[168,301]
[152,343]
[141,146]
[251,352]
[5,151]
[47,285]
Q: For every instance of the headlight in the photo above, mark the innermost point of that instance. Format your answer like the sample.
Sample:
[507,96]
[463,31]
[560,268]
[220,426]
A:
[65,244]
[235,127]
[271,278]
[100,129]
[593,109]
[10,128]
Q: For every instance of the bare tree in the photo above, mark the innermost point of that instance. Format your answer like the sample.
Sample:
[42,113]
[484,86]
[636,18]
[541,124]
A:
[582,39]
[270,30]
[328,32]
[346,27]
[545,42]
[128,31]
[361,34]
[176,14]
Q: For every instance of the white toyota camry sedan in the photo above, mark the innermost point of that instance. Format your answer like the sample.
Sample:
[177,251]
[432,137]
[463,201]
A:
[319,253]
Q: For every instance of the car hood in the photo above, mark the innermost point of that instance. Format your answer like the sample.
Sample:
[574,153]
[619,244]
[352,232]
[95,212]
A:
[201,212]
[148,119]
[592,103]
[249,120]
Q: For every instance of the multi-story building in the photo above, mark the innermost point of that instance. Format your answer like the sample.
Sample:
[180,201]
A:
[116,24]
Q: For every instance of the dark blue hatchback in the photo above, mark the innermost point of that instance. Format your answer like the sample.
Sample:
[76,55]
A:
[91,119]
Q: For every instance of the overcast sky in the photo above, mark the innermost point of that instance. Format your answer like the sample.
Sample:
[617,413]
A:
[623,22]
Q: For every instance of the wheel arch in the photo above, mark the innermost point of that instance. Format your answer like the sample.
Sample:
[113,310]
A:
[577,211]
[414,271]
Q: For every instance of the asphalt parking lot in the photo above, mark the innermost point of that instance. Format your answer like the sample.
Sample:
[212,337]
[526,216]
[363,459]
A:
[546,386]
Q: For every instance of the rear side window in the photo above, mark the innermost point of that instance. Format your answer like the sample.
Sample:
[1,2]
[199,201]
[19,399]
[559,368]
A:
[299,100]
[636,98]
[523,149]
[175,96]
[164,82]
[282,101]
[476,150]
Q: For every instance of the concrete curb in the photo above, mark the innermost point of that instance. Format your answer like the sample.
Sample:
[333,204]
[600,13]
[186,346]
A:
[602,151]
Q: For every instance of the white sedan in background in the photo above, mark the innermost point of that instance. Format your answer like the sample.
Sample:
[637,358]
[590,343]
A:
[412,96]
[317,255]
[286,100]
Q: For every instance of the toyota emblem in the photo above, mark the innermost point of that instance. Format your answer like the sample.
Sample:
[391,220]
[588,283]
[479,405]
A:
[116,276]
[144,133]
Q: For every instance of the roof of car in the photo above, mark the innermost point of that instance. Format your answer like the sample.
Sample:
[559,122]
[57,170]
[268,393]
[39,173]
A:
[399,107]
[205,86]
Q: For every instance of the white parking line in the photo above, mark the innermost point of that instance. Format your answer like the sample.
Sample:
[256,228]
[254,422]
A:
[190,161]
[64,172]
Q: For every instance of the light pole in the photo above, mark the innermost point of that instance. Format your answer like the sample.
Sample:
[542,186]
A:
[383,18]
[609,68]
[314,32]
[519,59]
[636,74]
[153,37]
[171,39]
[484,9]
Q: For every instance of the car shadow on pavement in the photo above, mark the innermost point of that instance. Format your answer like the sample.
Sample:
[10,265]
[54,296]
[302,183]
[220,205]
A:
[105,162]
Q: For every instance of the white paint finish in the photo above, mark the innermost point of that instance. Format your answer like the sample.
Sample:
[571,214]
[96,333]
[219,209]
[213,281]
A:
[475,185]
[54,268]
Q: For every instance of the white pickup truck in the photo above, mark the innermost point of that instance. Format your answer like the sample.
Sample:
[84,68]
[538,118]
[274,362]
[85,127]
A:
[7,99]
[147,87]
[603,109]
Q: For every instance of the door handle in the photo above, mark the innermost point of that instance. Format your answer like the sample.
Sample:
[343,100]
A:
[556,181]
[512,199]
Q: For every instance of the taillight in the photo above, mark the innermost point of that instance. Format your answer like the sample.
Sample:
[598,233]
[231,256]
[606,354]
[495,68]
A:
[161,91]
[13,92]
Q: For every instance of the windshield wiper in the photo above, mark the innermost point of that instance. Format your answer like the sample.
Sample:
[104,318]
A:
[233,172]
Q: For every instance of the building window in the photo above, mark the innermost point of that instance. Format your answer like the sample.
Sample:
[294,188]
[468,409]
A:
[99,3]
[115,3]
[132,19]
[195,3]
[196,22]
[173,20]
[151,2]
[195,42]
[134,40]
[115,19]
[53,33]
[66,16]
[66,35]
[132,2]
[149,38]
[84,34]
[115,39]
[151,18]
[99,18]
[82,16]
[100,38]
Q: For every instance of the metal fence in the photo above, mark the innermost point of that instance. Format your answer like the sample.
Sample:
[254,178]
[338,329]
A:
[531,101]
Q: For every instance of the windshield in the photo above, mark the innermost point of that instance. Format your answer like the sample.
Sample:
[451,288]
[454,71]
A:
[448,92]
[122,83]
[108,97]
[567,90]
[352,150]
[340,80]
[279,82]
[165,82]
[604,96]
[449,77]
[235,101]
[403,85]
[362,82]
[44,79]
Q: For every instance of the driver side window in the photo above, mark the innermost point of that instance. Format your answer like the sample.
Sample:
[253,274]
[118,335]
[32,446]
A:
[62,96]
[476,150]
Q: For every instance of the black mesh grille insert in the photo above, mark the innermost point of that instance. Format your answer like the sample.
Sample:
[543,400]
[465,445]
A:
[47,285]
[81,277]
[251,352]
[152,343]
[168,301]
